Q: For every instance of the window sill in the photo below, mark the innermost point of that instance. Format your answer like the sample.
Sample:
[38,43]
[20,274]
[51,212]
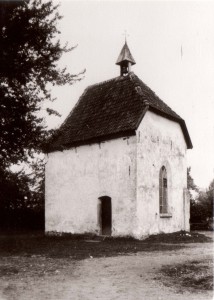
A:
[166,215]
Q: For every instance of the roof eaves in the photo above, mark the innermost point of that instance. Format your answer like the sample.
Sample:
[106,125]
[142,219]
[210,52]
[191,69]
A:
[186,134]
[90,141]
[101,83]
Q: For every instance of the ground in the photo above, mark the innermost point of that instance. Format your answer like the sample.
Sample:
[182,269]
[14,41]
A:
[38,267]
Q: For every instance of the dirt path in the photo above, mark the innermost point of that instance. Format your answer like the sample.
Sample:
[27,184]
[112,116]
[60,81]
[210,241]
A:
[129,277]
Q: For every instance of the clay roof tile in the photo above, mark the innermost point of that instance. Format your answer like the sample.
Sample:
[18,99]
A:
[111,108]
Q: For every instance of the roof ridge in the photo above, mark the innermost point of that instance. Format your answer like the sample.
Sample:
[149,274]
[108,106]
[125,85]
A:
[112,79]
[138,89]
[103,82]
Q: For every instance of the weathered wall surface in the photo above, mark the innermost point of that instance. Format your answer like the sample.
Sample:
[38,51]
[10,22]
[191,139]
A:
[76,178]
[160,142]
[127,170]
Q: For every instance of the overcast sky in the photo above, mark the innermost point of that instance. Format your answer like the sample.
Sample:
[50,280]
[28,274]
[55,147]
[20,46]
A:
[173,46]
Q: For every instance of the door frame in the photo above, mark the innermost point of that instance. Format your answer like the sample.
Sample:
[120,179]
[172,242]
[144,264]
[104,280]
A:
[100,210]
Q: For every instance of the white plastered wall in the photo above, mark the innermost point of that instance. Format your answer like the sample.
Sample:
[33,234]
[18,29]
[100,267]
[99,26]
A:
[77,177]
[160,142]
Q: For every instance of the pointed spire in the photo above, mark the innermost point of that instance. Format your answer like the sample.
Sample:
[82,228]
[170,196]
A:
[125,60]
[125,54]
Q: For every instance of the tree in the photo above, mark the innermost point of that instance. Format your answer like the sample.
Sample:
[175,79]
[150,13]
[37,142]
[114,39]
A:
[20,206]
[190,181]
[211,186]
[210,199]
[29,54]
[201,206]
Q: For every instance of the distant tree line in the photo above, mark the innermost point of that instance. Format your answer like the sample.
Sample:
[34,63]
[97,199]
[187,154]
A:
[22,198]
[201,204]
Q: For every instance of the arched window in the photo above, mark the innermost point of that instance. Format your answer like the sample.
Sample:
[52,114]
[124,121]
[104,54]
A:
[163,191]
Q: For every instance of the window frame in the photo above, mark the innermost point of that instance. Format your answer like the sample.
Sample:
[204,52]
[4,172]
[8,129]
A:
[163,193]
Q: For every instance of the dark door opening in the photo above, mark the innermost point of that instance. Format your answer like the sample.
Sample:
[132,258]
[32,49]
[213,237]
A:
[105,215]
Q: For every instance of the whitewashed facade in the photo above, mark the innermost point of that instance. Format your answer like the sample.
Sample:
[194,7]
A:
[118,165]
[126,170]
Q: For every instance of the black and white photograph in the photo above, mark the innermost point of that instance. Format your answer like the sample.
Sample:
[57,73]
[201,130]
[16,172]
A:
[106,150]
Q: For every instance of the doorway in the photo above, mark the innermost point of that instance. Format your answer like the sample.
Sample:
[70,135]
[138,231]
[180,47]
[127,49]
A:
[105,215]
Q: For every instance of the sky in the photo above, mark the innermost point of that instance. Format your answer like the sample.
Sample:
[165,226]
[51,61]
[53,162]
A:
[173,46]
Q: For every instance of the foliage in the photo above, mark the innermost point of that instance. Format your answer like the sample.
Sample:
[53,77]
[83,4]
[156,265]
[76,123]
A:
[20,206]
[14,189]
[211,186]
[201,208]
[29,54]
[190,181]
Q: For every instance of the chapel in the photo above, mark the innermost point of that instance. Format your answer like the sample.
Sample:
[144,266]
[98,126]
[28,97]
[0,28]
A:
[117,165]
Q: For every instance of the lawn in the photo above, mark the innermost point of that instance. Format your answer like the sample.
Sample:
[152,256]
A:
[195,274]
[83,246]
[73,264]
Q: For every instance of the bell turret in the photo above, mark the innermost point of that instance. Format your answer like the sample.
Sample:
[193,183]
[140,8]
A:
[125,60]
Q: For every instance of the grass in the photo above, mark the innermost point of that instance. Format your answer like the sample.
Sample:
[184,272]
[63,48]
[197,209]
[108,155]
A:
[179,237]
[195,274]
[27,257]
[85,246]
[77,248]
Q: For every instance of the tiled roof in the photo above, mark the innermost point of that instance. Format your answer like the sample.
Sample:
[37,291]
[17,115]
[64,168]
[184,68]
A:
[109,109]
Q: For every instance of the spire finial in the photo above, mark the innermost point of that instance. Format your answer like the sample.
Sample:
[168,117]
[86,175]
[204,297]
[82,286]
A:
[126,35]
